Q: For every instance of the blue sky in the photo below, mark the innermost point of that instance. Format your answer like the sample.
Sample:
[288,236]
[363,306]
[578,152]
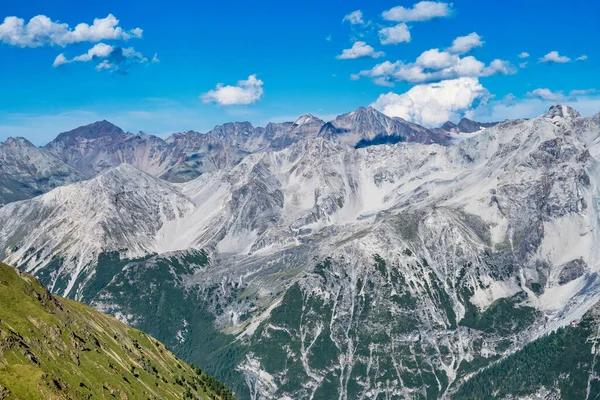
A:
[277,60]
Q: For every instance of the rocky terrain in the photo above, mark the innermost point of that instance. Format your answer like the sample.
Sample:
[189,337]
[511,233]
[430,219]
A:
[27,171]
[368,258]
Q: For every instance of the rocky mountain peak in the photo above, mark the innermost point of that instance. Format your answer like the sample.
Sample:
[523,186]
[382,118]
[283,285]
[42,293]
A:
[96,130]
[466,125]
[308,119]
[13,142]
[562,111]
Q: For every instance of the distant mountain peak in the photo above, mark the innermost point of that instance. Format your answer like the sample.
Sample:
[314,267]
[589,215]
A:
[94,130]
[562,111]
[466,125]
[17,141]
[308,119]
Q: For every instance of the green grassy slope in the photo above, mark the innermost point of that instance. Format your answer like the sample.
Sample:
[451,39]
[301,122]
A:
[54,348]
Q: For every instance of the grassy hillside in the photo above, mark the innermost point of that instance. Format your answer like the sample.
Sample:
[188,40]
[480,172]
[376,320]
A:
[53,348]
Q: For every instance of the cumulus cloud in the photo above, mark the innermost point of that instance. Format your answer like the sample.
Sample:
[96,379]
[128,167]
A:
[422,11]
[464,44]
[559,96]
[546,94]
[434,65]
[107,57]
[523,64]
[355,18]
[246,92]
[524,55]
[395,34]
[42,31]
[554,57]
[586,101]
[582,92]
[435,103]
[359,49]
[582,58]
[436,59]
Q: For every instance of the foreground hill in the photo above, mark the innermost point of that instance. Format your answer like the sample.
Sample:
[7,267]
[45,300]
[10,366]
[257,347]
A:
[53,348]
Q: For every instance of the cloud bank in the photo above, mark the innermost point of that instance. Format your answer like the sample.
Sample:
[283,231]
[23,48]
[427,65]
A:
[435,103]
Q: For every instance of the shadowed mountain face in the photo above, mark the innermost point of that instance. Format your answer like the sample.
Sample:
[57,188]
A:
[367,126]
[466,126]
[335,268]
[53,348]
[27,171]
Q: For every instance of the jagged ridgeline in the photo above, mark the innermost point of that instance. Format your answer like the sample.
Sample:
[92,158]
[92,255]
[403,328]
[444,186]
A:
[363,258]
[54,348]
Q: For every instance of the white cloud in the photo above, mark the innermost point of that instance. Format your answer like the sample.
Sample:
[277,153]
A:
[523,64]
[499,67]
[582,92]
[107,57]
[246,92]
[355,18]
[100,50]
[60,60]
[554,57]
[464,44]
[395,34]
[41,31]
[423,11]
[587,102]
[582,58]
[359,49]
[434,65]
[434,103]
[559,96]
[137,32]
[524,55]
[436,59]
[546,94]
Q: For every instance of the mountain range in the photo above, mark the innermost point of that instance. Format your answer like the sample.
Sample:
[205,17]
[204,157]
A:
[365,257]
[87,151]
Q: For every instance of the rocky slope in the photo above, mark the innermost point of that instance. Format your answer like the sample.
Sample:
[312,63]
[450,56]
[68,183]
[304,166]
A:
[327,269]
[367,126]
[53,348]
[466,125]
[27,171]
[94,148]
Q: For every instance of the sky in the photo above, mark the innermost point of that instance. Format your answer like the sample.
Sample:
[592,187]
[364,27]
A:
[163,67]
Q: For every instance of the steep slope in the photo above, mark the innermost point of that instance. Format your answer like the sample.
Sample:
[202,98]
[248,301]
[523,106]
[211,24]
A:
[466,125]
[193,154]
[59,235]
[561,365]
[53,348]
[367,126]
[94,148]
[27,171]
